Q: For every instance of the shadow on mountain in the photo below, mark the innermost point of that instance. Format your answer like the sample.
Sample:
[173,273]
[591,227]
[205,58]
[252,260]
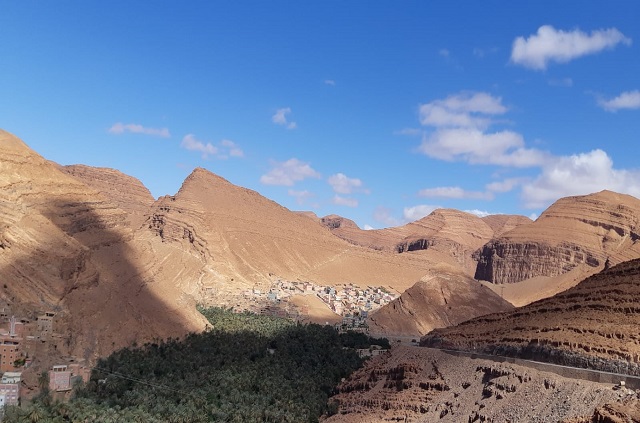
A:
[81,260]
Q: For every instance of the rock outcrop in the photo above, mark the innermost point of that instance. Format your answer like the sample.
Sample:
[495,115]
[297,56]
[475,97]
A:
[126,192]
[454,234]
[444,297]
[592,325]
[410,384]
[592,230]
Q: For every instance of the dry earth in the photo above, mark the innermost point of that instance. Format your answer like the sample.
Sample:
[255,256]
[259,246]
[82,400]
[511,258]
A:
[445,296]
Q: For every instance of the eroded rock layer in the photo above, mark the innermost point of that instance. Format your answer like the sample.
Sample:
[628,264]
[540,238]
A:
[411,384]
[595,229]
[126,192]
[592,325]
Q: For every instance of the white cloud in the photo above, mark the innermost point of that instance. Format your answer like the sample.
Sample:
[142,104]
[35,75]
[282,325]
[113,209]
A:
[454,192]
[411,214]
[280,118]
[579,174]
[225,149]
[552,45]
[344,201]
[121,128]
[289,172]
[190,142]
[232,148]
[368,227]
[505,185]
[467,109]
[342,184]
[626,100]
[300,196]
[480,213]
[330,82]
[444,52]
[504,148]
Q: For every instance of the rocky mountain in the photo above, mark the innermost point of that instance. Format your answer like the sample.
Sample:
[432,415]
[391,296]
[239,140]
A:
[412,384]
[65,248]
[444,297]
[590,230]
[126,192]
[594,325]
[453,233]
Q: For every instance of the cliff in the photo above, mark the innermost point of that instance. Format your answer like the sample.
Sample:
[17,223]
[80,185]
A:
[592,230]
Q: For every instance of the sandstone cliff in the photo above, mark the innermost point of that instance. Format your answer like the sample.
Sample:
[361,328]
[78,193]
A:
[444,297]
[592,229]
[593,325]
[454,234]
[126,192]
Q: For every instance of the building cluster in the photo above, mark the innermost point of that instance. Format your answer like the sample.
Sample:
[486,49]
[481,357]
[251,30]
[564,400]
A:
[351,302]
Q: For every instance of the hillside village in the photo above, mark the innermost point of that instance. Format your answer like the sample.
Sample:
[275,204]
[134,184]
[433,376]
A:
[24,338]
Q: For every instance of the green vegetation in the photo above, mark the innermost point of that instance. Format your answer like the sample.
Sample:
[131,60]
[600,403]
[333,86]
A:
[245,368]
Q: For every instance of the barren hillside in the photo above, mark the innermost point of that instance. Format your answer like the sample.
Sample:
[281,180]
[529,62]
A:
[594,325]
[444,297]
[590,230]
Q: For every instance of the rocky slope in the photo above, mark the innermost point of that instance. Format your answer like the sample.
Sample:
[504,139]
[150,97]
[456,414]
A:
[593,325]
[453,233]
[588,230]
[444,297]
[412,384]
[126,192]
[66,248]
[245,240]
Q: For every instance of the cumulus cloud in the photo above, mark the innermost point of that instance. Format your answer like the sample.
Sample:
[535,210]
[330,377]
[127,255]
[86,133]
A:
[466,109]
[288,173]
[626,100]
[552,45]
[223,150]
[454,193]
[192,144]
[344,201]
[504,148]
[232,148]
[461,122]
[280,118]
[342,184]
[368,227]
[411,214]
[120,128]
[579,174]
[505,185]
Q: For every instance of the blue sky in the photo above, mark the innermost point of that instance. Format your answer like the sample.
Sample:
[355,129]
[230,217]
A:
[376,111]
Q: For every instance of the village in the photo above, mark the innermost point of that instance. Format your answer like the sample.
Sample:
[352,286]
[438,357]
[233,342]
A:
[349,301]
[21,339]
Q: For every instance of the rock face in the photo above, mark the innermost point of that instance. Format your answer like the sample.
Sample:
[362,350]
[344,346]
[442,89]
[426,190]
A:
[66,248]
[126,192]
[238,234]
[444,297]
[592,325]
[412,384]
[454,234]
[593,229]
